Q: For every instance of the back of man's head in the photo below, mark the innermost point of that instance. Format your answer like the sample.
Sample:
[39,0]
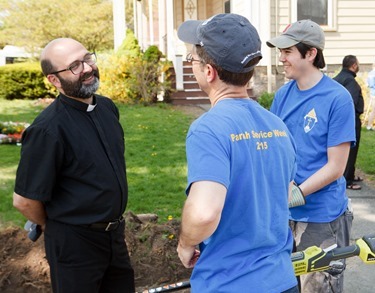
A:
[349,61]
[229,39]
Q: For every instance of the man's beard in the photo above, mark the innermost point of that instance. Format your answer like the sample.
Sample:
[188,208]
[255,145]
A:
[77,89]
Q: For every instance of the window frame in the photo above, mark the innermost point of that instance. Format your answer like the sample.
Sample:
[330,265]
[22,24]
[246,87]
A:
[331,14]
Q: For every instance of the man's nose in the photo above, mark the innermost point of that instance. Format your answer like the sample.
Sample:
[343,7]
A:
[282,57]
[86,67]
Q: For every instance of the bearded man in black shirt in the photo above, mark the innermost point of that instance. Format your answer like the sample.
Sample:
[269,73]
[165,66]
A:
[71,178]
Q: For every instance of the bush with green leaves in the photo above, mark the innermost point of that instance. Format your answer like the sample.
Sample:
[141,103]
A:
[132,76]
[23,81]
[266,99]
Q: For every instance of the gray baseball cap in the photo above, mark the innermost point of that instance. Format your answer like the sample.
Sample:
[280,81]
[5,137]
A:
[229,39]
[302,31]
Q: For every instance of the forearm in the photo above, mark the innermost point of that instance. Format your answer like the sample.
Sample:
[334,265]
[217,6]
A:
[33,210]
[195,229]
[320,179]
[331,171]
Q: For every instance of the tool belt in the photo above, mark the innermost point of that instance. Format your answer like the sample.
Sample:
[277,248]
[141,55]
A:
[105,226]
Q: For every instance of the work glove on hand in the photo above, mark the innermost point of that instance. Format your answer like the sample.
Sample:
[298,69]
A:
[296,197]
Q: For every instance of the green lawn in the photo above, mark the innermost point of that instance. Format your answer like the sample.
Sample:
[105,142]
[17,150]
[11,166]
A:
[155,158]
[366,154]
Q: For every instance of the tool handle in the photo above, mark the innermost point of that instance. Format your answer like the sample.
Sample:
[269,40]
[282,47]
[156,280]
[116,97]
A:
[312,259]
[168,288]
[343,252]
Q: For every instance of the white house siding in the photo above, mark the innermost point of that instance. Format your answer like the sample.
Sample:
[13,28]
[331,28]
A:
[355,32]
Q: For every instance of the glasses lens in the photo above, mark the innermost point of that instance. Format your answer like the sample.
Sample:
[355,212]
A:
[90,59]
[76,67]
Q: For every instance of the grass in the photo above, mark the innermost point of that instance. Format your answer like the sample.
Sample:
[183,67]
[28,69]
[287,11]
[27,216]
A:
[155,158]
[366,154]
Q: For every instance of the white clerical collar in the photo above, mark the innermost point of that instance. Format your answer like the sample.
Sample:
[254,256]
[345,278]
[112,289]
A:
[90,108]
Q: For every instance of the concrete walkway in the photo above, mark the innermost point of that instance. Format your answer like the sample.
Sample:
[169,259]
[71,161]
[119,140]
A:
[360,277]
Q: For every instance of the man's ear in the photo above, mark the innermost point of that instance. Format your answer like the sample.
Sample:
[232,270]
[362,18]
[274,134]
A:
[311,54]
[210,72]
[52,78]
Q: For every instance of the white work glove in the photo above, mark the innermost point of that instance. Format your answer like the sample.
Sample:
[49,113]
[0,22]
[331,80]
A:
[296,197]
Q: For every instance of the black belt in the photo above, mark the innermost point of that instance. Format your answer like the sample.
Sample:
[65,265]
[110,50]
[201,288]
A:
[105,226]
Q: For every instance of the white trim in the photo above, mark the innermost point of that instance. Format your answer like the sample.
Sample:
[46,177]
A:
[119,24]
[151,21]
[162,26]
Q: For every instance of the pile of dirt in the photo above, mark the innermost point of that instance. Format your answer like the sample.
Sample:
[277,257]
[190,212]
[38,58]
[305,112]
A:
[152,248]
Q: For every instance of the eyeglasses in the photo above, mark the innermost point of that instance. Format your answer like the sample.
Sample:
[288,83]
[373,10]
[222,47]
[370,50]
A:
[77,66]
[189,58]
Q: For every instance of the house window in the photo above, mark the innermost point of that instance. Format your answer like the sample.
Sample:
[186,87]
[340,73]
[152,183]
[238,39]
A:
[227,7]
[322,12]
[316,10]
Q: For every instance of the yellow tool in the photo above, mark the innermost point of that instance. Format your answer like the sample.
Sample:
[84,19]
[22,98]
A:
[314,259]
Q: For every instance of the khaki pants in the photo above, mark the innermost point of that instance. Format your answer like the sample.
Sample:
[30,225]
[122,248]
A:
[323,235]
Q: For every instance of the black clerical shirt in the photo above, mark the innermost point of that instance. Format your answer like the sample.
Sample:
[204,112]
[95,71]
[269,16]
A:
[72,159]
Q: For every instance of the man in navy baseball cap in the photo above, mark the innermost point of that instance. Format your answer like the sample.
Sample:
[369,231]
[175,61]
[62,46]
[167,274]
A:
[220,35]
[238,171]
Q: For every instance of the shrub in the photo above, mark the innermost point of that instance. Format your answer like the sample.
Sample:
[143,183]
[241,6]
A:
[150,75]
[133,76]
[129,46]
[22,81]
[266,99]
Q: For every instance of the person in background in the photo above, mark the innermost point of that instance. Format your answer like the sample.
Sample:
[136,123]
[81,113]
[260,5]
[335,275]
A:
[241,160]
[346,77]
[320,115]
[371,85]
[71,178]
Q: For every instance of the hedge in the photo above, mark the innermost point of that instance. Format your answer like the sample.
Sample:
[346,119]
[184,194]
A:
[23,81]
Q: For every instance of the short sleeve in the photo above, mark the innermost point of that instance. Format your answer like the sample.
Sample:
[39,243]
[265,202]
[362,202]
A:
[208,160]
[41,158]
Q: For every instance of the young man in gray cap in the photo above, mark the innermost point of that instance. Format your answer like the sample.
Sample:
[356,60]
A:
[319,112]
[241,160]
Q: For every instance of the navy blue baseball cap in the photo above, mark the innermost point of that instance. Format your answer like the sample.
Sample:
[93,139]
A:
[229,39]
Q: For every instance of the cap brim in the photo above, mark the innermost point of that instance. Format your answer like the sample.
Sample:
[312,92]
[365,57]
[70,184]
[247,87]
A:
[187,32]
[281,42]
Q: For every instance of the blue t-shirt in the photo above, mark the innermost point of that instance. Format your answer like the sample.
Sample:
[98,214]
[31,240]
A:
[318,118]
[250,151]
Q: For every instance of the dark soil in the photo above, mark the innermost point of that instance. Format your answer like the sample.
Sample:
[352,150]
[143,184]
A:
[152,249]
